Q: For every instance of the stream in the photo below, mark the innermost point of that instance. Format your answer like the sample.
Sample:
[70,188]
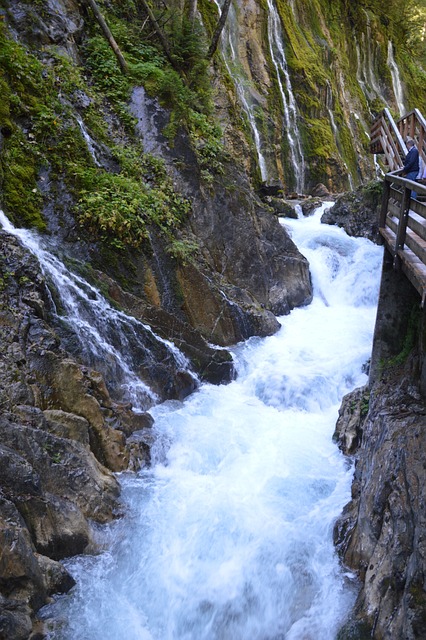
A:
[228,535]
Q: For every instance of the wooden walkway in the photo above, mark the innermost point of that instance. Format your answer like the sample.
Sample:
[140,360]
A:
[402,222]
[402,225]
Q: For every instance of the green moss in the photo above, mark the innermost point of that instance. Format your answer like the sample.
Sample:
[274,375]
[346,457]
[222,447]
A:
[21,197]
[118,208]
[410,339]
[319,144]
[210,15]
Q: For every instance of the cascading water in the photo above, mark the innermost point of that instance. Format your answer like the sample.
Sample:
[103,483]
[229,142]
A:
[243,84]
[366,73]
[89,141]
[329,104]
[275,38]
[229,535]
[114,343]
[396,80]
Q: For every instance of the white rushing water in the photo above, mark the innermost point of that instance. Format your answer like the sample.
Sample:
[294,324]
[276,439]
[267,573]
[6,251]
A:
[109,340]
[396,80]
[291,127]
[89,140]
[244,85]
[229,535]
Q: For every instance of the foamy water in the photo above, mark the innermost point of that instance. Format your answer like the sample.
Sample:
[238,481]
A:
[229,535]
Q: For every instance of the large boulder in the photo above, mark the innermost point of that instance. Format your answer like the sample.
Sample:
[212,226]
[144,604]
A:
[357,212]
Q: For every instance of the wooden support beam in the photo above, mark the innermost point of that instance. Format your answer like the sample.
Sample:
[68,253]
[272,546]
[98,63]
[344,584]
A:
[403,219]
[385,202]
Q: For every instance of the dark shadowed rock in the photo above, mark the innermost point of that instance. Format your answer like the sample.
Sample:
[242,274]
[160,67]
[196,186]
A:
[357,212]
[320,191]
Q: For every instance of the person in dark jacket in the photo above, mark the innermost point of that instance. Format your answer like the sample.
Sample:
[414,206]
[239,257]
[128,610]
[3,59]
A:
[411,163]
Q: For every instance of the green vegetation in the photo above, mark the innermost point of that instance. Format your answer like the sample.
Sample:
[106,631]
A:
[118,207]
[410,339]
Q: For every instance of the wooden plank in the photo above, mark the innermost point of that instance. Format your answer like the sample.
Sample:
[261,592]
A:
[417,224]
[415,271]
[392,223]
[403,218]
[390,238]
[418,207]
[394,208]
[416,244]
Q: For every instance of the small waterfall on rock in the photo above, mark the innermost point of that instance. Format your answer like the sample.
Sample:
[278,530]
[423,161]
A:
[291,129]
[396,80]
[329,105]
[228,536]
[89,141]
[117,345]
[246,92]
[366,73]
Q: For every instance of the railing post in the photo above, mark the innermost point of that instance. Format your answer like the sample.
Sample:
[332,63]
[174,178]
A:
[385,202]
[402,225]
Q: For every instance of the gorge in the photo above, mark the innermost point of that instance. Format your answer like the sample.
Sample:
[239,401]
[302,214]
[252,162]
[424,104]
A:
[177,333]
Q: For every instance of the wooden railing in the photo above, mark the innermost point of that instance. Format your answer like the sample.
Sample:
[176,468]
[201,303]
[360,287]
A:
[413,124]
[386,138]
[402,225]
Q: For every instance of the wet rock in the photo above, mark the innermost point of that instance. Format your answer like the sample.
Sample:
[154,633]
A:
[15,619]
[320,191]
[59,24]
[280,207]
[55,577]
[67,425]
[211,364]
[381,531]
[352,413]
[357,212]
[309,205]
[26,577]
[242,248]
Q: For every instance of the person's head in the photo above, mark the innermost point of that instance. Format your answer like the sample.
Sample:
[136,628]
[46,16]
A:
[409,142]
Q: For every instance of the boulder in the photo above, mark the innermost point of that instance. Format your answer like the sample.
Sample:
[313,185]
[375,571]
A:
[357,212]
[320,191]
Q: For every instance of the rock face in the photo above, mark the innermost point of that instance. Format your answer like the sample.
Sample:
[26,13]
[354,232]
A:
[380,534]
[381,531]
[59,431]
[248,269]
[357,212]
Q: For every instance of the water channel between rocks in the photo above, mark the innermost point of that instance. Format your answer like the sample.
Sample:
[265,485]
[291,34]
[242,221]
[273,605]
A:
[229,535]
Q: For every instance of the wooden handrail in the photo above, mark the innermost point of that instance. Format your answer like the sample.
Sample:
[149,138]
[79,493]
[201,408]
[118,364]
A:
[402,225]
[402,219]
[414,125]
[387,139]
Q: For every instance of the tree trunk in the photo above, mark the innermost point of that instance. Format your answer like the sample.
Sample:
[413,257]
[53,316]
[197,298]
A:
[192,10]
[160,33]
[114,46]
[219,29]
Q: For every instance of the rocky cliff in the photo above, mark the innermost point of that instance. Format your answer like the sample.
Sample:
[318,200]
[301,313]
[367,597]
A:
[380,534]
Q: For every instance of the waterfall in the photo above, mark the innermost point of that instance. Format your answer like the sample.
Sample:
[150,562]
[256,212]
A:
[329,104]
[396,81]
[366,74]
[243,84]
[228,536]
[112,342]
[89,141]
[291,129]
